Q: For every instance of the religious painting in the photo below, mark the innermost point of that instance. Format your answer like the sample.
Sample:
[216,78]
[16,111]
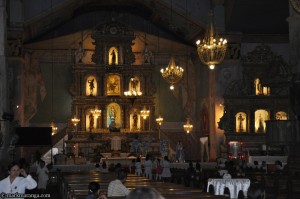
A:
[241,122]
[135,121]
[260,120]
[113,56]
[280,115]
[113,117]
[91,87]
[113,84]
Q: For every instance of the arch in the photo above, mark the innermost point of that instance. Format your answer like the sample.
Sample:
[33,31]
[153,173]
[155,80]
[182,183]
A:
[241,122]
[91,86]
[261,116]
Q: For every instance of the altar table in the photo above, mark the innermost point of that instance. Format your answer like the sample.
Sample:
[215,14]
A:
[234,186]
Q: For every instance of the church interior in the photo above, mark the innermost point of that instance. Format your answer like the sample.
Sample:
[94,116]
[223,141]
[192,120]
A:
[210,81]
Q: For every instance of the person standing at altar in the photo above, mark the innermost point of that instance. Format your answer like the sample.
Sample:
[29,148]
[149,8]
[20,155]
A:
[148,167]
[166,173]
[138,167]
[158,169]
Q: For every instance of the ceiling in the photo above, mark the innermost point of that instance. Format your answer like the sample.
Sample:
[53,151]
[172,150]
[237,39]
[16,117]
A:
[178,20]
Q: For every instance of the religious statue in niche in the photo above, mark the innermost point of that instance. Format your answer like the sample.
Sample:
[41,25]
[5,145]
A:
[260,128]
[113,85]
[113,117]
[134,121]
[92,86]
[240,125]
[134,83]
[258,88]
[113,56]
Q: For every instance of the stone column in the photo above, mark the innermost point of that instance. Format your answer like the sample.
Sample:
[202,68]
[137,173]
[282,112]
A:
[211,112]
[294,37]
[4,125]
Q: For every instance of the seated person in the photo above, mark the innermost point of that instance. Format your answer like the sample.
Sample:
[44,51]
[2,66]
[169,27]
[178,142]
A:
[94,191]
[144,193]
[256,191]
[116,187]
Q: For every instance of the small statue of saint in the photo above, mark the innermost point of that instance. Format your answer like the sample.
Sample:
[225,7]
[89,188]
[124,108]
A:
[260,125]
[113,57]
[241,119]
[112,115]
[92,86]
[135,121]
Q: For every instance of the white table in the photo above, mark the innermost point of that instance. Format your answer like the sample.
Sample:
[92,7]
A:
[234,186]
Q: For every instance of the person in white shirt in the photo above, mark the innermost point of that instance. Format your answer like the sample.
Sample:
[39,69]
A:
[15,184]
[42,173]
[138,167]
[116,187]
[166,173]
[148,167]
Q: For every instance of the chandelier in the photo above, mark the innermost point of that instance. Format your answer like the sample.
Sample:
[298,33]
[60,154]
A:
[75,120]
[188,127]
[132,93]
[211,49]
[159,120]
[54,128]
[145,113]
[172,74]
[96,112]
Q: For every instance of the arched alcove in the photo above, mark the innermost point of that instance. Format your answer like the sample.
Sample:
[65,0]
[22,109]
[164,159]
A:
[241,122]
[261,116]
[91,86]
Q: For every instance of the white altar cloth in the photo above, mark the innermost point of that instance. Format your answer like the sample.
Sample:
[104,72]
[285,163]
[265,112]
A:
[234,186]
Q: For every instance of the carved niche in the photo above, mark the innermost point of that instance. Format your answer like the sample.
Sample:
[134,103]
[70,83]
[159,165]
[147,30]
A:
[113,43]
